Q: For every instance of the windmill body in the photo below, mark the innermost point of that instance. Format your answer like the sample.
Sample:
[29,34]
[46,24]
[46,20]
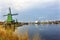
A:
[9,18]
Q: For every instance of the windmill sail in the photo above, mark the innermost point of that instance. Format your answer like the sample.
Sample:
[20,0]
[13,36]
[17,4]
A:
[14,14]
[10,10]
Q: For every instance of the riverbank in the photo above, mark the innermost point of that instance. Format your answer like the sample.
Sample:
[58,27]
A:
[10,35]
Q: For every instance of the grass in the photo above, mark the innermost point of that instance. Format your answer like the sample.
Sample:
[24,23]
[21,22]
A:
[9,35]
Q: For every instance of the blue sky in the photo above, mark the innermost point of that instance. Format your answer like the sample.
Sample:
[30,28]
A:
[31,10]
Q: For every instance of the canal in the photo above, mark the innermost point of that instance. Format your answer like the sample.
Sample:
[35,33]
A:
[41,32]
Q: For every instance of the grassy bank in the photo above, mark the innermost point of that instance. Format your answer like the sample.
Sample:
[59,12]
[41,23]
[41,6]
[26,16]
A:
[10,35]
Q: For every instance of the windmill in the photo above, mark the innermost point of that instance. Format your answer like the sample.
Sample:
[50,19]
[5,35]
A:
[9,16]
[9,22]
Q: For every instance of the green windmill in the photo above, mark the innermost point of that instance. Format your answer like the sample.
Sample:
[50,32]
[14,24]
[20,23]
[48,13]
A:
[9,17]
[10,23]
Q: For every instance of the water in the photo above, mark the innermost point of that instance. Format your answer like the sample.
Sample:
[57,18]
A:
[43,32]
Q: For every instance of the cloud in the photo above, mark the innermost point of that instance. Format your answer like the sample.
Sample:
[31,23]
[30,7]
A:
[21,4]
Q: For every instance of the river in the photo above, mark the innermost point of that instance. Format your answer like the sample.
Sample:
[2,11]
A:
[43,32]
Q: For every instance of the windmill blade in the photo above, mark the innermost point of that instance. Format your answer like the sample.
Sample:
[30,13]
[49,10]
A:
[5,15]
[9,9]
[14,14]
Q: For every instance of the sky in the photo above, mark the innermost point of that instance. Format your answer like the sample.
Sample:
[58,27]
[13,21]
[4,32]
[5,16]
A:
[31,10]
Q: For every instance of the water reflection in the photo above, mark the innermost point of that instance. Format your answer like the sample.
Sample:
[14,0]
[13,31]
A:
[40,32]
